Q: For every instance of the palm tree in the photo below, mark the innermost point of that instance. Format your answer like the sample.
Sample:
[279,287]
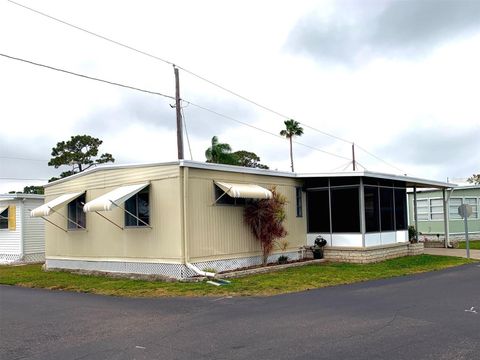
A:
[292,128]
[219,153]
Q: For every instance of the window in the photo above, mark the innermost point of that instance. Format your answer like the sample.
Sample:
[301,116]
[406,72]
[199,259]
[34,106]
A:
[453,205]
[138,209]
[298,195]
[318,211]
[473,203]
[422,210]
[222,198]
[372,223]
[4,219]
[76,216]
[436,209]
[345,210]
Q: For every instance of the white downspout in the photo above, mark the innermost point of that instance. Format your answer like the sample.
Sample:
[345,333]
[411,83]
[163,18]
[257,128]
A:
[198,271]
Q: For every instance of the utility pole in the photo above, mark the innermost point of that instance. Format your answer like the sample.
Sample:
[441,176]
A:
[179,115]
[353,156]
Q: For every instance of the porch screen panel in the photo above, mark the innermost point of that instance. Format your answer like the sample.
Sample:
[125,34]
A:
[401,209]
[387,210]
[372,210]
[318,219]
[345,210]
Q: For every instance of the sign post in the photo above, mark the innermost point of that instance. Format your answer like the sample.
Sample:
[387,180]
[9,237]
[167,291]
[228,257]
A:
[465,211]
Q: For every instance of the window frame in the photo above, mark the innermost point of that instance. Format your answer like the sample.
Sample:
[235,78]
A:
[299,201]
[79,202]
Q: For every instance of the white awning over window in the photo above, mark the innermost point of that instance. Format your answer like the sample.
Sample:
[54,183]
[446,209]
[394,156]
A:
[49,207]
[107,201]
[250,191]
[3,208]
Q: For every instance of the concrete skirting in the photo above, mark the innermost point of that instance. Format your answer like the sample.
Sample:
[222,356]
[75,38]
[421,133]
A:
[371,254]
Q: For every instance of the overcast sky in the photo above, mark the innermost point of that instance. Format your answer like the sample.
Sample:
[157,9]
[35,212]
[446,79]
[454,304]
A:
[400,78]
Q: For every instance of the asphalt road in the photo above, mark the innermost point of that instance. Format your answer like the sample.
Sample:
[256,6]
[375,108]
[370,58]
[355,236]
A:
[415,317]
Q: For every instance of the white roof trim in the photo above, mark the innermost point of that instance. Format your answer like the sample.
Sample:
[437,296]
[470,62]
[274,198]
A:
[247,191]
[107,201]
[49,207]
[246,170]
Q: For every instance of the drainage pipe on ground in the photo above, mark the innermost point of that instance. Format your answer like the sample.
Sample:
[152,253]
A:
[199,272]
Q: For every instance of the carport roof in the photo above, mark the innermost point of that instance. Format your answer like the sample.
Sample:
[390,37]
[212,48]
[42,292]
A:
[410,181]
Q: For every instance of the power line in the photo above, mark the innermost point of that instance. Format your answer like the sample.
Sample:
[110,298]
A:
[11,178]
[86,76]
[196,75]
[170,97]
[186,132]
[171,63]
[263,130]
[92,33]
[376,157]
[20,158]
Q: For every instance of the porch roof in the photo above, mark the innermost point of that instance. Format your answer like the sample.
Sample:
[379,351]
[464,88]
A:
[409,181]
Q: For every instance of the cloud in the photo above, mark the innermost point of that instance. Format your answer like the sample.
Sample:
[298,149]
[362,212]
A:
[152,112]
[452,152]
[360,31]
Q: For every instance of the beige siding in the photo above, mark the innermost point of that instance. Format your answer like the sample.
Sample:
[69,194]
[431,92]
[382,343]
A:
[114,177]
[216,232]
[104,240]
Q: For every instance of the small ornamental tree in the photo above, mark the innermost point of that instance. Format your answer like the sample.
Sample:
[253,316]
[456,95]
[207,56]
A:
[265,218]
[80,152]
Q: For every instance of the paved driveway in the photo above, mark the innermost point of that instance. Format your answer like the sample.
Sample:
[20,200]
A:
[417,317]
[474,254]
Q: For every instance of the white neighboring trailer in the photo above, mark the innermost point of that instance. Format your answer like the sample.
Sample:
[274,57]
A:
[22,238]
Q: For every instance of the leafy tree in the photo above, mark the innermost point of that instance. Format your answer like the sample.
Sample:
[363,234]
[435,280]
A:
[265,218]
[248,159]
[80,152]
[474,179]
[33,190]
[292,128]
[219,153]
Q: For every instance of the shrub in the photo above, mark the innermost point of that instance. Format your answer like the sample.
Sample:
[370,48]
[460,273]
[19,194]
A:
[282,259]
[412,234]
[265,218]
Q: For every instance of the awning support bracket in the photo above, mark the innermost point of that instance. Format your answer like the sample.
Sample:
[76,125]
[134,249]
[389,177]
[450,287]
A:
[129,213]
[111,221]
[51,222]
[224,193]
[69,220]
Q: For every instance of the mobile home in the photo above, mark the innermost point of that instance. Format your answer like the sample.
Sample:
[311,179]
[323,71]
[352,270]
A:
[22,238]
[173,218]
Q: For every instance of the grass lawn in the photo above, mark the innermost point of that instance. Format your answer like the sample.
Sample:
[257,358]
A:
[474,245]
[283,281]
